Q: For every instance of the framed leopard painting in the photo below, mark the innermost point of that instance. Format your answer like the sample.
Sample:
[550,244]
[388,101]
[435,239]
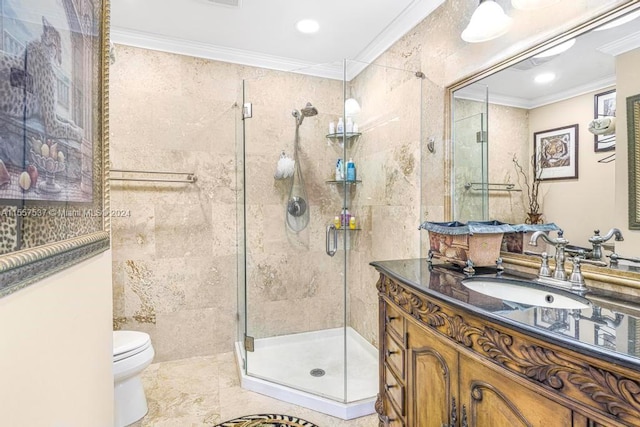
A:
[53,127]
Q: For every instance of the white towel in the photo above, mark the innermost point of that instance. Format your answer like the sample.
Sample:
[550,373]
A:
[603,126]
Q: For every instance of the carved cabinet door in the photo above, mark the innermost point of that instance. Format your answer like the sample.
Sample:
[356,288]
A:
[432,366]
[489,398]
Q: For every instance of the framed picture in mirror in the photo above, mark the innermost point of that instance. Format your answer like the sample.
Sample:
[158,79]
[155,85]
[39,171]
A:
[556,153]
[604,121]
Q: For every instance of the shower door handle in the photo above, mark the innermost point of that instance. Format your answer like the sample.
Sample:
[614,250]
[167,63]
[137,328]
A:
[332,249]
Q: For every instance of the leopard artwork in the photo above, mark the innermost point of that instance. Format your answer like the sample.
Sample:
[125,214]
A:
[28,85]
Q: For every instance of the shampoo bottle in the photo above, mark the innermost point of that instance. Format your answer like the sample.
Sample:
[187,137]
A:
[351,170]
[349,125]
[345,217]
[340,126]
[339,171]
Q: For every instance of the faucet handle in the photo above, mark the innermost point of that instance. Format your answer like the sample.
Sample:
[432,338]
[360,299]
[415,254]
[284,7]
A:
[593,262]
[576,279]
[615,257]
[544,271]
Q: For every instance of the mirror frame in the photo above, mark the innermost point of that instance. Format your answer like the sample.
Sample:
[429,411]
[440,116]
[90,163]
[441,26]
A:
[24,267]
[622,278]
[633,144]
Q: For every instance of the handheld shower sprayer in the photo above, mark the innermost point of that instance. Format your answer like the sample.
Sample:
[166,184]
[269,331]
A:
[297,210]
[308,111]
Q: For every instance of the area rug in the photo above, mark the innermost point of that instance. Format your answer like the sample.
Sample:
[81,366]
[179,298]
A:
[267,420]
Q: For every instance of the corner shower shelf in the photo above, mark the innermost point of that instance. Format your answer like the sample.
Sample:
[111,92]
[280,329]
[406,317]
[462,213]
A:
[348,135]
[344,181]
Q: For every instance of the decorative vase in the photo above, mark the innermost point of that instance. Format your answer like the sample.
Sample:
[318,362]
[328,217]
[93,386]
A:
[534,218]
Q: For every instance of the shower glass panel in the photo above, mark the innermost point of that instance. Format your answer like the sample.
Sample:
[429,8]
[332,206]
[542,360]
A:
[470,154]
[240,214]
[310,303]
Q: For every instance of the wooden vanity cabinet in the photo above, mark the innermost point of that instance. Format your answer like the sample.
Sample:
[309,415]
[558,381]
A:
[444,366]
[489,398]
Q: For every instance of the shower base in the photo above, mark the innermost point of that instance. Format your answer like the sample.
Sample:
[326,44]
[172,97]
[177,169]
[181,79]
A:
[287,368]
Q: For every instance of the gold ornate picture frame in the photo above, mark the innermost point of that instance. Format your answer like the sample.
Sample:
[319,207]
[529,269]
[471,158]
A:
[633,136]
[54,209]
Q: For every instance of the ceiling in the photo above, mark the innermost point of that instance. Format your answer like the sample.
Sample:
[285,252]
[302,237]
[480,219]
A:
[587,66]
[262,33]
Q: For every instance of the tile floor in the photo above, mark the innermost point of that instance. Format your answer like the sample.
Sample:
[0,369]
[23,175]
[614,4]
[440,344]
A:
[205,391]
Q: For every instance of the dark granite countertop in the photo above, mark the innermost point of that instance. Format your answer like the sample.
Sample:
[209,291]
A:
[609,326]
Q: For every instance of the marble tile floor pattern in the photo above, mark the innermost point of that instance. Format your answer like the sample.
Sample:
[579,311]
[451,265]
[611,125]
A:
[205,391]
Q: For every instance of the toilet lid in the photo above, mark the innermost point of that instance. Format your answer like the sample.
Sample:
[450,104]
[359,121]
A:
[126,341]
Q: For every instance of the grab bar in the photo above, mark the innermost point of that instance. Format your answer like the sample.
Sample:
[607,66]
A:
[487,186]
[331,250]
[191,178]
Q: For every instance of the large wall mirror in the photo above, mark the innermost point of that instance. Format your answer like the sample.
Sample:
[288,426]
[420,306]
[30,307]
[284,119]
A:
[537,109]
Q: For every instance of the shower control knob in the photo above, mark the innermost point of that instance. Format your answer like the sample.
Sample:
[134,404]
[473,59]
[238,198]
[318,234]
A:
[296,206]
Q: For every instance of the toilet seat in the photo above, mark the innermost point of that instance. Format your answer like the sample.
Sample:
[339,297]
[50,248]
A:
[129,343]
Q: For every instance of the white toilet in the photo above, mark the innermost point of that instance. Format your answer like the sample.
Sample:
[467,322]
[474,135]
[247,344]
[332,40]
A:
[132,352]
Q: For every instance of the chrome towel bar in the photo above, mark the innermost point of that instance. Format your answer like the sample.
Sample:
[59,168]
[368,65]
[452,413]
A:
[478,186]
[190,177]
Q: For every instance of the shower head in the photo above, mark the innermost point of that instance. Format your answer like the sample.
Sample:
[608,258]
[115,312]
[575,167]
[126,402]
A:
[308,111]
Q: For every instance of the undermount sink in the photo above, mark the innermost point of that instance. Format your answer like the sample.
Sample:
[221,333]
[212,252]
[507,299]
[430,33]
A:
[526,292]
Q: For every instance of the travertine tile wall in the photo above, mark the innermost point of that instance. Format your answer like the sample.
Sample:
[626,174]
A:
[387,203]
[174,257]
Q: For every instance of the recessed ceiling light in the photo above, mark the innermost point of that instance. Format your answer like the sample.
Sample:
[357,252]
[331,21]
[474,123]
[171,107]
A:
[308,26]
[556,50]
[544,77]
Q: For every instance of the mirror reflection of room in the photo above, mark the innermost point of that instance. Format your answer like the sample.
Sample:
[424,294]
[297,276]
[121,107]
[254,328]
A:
[549,123]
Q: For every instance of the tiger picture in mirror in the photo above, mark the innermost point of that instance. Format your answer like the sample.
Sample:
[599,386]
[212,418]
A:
[45,124]
[556,153]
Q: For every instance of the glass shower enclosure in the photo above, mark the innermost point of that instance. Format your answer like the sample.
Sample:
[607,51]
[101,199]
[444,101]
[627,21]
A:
[471,153]
[307,226]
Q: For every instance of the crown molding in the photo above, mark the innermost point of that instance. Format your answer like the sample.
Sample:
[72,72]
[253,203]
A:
[623,45]
[409,18]
[236,56]
[478,94]
[413,14]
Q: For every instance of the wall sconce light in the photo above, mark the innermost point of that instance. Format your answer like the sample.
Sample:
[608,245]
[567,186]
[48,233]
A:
[487,23]
[351,107]
[532,4]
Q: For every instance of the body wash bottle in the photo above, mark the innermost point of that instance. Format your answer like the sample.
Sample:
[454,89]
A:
[351,170]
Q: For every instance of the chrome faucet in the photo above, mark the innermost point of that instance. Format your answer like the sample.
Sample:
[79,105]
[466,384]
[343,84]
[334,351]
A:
[560,243]
[596,240]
